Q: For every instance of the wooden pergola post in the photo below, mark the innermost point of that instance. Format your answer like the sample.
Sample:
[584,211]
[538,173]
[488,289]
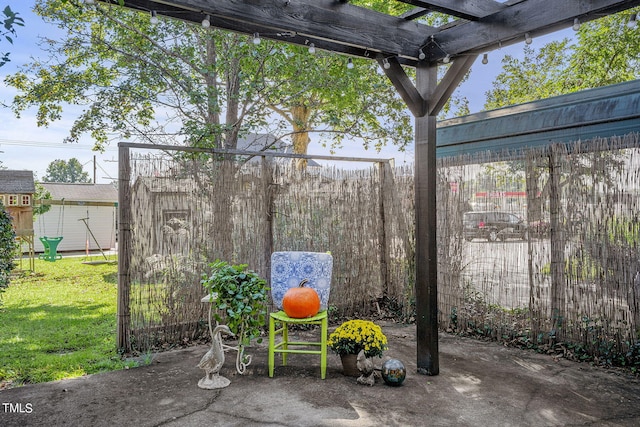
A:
[426,257]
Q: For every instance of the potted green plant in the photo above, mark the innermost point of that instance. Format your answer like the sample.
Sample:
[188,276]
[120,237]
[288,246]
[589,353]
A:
[240,297]
[351,337]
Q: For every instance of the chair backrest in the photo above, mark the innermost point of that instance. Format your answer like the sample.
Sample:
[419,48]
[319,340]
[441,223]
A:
[288,269]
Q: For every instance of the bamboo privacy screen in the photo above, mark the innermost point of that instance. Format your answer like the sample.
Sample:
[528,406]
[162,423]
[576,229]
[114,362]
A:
[185,213]
[571,282]
[570,287]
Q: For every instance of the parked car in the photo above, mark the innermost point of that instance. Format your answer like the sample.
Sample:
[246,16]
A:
[493,225]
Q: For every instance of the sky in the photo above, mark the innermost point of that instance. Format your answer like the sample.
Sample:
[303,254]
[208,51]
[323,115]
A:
[25,146]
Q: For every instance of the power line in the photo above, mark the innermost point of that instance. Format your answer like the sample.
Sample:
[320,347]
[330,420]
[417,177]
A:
[52,144]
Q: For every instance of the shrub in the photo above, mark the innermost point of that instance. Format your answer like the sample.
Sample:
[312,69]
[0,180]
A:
[8,247]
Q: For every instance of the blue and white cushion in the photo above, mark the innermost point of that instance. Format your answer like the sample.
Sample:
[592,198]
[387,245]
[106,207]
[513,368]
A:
[288,269]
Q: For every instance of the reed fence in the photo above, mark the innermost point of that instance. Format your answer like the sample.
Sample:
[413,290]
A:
[571,286]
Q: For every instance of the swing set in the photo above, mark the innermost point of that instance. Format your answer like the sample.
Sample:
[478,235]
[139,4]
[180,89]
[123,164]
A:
[50,244]
[106,259]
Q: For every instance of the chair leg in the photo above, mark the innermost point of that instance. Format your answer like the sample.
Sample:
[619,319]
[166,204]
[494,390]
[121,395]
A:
[285,342]
[272,343]
[323,348]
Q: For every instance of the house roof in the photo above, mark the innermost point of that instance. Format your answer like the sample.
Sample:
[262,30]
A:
[260,142]
[17,182]
[82,192]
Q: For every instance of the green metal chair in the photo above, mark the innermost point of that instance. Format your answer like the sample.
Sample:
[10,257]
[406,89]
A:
[288,269]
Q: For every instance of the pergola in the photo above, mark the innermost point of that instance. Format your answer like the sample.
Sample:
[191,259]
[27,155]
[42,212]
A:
[474,27]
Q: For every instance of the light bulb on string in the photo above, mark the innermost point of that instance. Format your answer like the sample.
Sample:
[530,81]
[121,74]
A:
[446,59]
[385,64]
[312,48]
[206,22]
[350,64]
[528,39]
[421,55]
[576,24]
[485,58]
[154,17]
[256,38]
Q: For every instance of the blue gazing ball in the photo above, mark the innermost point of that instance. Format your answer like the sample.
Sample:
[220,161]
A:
[393,372]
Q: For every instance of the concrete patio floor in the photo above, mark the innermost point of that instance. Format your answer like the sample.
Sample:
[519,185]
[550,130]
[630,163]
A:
[480,384]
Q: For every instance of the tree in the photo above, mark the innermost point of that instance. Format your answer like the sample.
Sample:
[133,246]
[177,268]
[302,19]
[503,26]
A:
[63,171]
[11,20]
[209,86]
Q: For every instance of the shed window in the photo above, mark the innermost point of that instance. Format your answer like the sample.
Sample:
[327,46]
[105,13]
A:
[13,200]
[26,200]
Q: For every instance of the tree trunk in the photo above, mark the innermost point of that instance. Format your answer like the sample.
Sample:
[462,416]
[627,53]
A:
[213,111]
[233,95]
[300,115]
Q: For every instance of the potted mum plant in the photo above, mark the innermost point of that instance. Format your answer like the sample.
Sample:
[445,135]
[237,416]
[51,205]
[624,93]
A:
[353,336]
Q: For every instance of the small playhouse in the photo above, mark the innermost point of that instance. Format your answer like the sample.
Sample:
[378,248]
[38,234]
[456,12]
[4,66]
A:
[17,189]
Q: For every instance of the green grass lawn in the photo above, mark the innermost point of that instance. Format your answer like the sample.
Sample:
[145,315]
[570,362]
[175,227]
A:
[59,323]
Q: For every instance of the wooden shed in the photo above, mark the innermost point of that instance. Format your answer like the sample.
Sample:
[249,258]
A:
[78,211]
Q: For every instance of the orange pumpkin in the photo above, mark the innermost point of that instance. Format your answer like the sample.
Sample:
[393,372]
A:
[301,302]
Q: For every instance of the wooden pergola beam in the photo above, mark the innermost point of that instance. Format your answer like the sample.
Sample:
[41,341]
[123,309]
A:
[508,26]
[480,25]
[470,9]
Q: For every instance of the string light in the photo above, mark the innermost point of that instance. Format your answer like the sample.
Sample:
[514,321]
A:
[154,17]
[527,38]
[633,21]
[385,64]
[485,58]
[206,22]
[421,55]
[350,64]
[256,38]
[446,59]
[312,48]
[576,24]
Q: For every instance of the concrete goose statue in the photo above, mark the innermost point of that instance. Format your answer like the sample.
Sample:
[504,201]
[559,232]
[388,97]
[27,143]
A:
[213,360]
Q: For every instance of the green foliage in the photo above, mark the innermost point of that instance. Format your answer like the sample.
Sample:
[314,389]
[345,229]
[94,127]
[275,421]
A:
[583,268]
[623,231]
[59,323]
[211,85]
[8,248]
[63,171]
[41,194]
[10,21]
[241,295]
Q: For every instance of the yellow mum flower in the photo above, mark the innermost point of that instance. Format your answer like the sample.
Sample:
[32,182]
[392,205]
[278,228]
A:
[355,335]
